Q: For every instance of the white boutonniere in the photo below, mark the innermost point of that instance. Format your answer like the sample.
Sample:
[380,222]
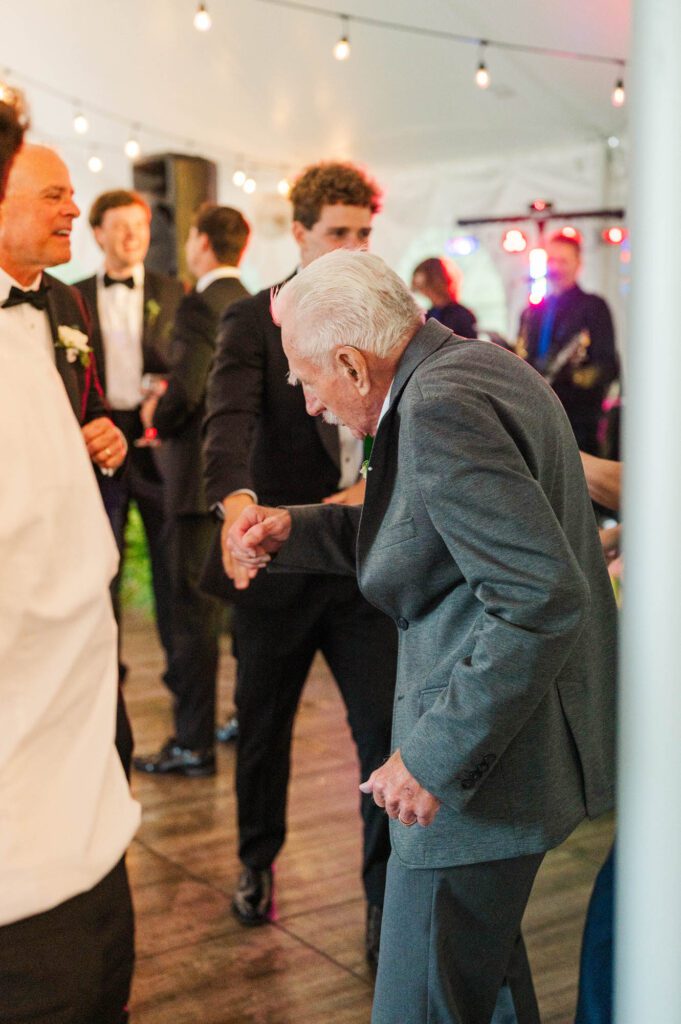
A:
[75,343]
[364,469]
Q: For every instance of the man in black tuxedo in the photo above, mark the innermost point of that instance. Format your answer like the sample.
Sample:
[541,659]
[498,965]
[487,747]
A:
[35,308]
[260,442]
[132,315]
[217,239]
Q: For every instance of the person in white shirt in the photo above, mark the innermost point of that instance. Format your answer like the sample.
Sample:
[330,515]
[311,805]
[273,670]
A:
[132,311]
[66,814]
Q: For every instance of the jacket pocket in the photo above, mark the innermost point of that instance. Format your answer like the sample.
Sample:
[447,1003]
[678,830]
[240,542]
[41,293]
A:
[395,533]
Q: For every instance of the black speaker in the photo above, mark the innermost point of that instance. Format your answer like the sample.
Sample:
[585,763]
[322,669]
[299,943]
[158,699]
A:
[174,185]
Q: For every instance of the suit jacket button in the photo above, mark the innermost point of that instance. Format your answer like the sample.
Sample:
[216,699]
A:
[402,623]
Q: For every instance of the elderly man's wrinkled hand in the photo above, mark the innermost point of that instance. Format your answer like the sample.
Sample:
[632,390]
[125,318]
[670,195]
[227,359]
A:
[404,799]
[254,537]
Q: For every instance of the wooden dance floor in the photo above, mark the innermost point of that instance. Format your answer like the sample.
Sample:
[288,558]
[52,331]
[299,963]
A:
[197,965]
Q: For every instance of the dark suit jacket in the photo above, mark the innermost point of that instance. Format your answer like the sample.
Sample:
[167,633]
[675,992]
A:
[258,435]
[162,296]
[180,411]
[65,308]
[478,538]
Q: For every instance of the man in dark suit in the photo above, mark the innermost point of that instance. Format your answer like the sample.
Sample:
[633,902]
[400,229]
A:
[217,239]
[35,232]
[132,315]
[477,535]
[259,440]
[570,339]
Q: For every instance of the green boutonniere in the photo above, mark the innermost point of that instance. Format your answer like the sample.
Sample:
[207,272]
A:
[151,311]
[364,469]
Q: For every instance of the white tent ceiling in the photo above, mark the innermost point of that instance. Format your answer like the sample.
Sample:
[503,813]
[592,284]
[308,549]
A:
[262,82]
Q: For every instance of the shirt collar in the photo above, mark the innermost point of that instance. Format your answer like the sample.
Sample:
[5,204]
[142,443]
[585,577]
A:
[7,282]
[215,275]
[386,403]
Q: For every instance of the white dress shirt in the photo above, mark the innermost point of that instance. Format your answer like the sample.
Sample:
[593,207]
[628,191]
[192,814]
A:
[24,325]
[66,813]
[121,317]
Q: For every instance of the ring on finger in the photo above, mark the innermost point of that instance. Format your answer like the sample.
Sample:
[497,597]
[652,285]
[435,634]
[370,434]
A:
[407,823]
[107,452]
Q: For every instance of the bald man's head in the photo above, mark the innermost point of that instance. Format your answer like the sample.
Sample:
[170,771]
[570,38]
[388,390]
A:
[36,215]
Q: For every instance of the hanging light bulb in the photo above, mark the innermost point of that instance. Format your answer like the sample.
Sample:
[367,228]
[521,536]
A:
[132,147]
[283,187]
[249,186]
[80,123]
[618,96]
[95,164]
[238,178]
[341,50]
[202,19]
[482,76]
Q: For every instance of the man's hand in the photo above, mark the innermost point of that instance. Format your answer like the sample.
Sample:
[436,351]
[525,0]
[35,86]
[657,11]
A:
[148,410]
[250,535]
[350,496]
[404,798]
[105,443]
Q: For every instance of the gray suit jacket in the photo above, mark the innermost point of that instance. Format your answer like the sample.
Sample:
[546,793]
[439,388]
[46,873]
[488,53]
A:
[478,538]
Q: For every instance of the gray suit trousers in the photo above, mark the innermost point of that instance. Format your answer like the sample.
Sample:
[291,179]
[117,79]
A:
[451,941]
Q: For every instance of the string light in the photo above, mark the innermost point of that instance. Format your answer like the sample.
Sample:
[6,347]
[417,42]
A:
[132,147]
[613,141]
[249,186]
[95,163]
[619,96]
[482,76]
[80,124]
[341,50]
[239,178]
[202,19]
[283,187]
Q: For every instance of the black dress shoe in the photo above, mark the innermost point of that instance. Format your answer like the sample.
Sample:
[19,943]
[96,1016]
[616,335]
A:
[174,758]
[252,902]
[229,731]
[373,935]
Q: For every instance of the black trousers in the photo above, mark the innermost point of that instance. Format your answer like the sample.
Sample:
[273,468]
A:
[451,947]
[274,650]
[140,482]
[192,671]
[72,964]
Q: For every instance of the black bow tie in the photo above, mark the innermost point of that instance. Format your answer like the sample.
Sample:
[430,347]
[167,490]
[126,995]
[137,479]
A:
[37,298]
[129,282]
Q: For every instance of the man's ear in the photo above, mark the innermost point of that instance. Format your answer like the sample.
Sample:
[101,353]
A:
[299,232]
[350,362]
[97,232]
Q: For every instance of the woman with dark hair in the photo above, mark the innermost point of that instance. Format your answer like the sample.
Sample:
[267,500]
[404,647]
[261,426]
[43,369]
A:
[12,126]
[434,279]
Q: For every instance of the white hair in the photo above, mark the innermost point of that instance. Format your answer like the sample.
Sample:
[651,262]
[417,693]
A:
[346,298]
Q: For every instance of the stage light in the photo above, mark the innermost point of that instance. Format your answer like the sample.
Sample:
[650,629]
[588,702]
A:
[618,96]
[238,178]
[461,245]
[202,19]
[514,240]
[540,205]
[132,148]
[341,50]
[80,124]
[538,275]
[249,186]
[283,187]
[95,164]
[614,235]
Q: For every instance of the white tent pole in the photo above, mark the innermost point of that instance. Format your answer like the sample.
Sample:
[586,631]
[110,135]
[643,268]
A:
[648,974]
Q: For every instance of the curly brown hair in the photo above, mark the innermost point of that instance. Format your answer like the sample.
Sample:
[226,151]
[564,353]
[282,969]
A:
[11,132]
[328,184]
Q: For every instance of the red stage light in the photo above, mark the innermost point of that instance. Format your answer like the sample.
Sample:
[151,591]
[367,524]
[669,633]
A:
[540,205]
[569,232]
[614,235]
[514,240]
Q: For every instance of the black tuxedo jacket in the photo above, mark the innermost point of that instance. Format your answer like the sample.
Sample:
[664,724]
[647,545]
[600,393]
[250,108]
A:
[162,296]
[180,411]
[258,435]
[65,308]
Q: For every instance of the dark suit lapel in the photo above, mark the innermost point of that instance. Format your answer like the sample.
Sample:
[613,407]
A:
[58,316]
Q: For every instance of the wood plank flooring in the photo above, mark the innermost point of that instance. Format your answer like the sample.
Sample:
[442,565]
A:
[197,965]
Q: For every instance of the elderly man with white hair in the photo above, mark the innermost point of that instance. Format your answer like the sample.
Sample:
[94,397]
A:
[477,537]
